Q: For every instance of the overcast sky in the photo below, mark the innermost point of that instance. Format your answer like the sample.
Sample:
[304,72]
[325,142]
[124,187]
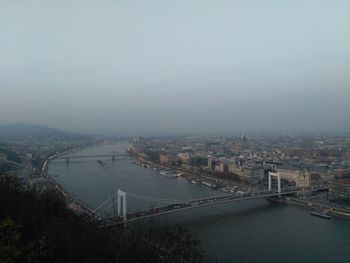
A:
[165,66]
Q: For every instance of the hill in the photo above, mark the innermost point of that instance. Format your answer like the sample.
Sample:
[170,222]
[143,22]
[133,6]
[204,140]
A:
[27,131]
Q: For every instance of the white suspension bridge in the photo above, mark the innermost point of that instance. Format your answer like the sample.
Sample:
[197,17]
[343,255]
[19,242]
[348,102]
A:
[117,202]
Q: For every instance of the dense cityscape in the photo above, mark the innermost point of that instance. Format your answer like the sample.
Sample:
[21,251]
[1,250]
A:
[229,163]
[304,161]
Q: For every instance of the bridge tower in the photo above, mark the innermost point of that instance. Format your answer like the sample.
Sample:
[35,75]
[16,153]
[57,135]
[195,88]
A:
[271,174]
[121,204]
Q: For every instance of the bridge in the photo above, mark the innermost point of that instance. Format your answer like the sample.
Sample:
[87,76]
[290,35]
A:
[113,156]
[118,201]
[177,205]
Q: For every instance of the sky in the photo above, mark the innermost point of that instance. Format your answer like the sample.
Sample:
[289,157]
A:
[185,66]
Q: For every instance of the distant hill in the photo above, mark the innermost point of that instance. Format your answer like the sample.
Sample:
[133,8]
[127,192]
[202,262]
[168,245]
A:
[27,129]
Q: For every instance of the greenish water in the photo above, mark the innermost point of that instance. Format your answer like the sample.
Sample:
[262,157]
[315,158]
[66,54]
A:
[247,231]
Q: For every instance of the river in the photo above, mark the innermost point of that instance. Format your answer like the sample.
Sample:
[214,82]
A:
[246,231]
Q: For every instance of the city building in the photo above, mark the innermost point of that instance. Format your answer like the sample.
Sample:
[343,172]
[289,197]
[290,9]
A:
[168,158]
[217,168]
[184,157]
[234,168]
[253,171]
[210,163]
[301,179]
[339,190]
[223,168]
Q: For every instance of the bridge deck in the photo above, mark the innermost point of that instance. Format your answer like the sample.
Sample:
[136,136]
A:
[186,206]
[91,156]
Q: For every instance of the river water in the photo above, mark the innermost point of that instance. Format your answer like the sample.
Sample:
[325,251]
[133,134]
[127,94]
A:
[246,231]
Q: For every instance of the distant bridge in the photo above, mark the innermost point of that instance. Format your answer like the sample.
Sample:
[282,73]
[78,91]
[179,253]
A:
[113,156]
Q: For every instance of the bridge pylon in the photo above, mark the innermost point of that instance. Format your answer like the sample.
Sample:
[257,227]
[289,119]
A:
[272,174]
[121,205]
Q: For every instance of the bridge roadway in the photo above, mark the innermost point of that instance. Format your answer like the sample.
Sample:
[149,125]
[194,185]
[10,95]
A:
[91,156]
[189,205]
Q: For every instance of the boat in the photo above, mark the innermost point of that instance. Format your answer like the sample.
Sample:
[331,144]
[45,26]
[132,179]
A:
[209,184]
[168,175]
[320,214]
[225,189]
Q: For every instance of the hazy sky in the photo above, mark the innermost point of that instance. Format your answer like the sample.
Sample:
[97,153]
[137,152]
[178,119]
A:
[176,66]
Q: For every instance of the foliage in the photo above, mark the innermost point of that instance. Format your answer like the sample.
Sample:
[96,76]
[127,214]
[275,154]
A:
[9,237]
[39,228]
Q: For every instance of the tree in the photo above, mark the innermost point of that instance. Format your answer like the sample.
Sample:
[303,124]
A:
[9,238]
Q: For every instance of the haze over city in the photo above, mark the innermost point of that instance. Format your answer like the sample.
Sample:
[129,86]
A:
[176,66]
[189,131]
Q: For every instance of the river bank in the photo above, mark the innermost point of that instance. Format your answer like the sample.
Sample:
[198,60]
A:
[76,205]
[194,177]
[313,206]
